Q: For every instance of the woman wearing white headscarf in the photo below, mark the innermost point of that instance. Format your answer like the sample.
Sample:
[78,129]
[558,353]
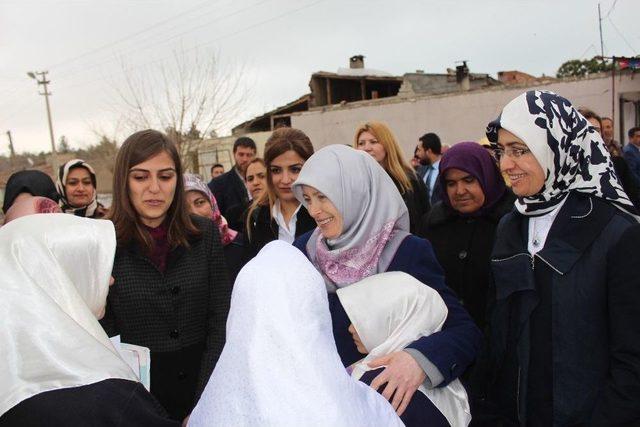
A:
[77,187]
[58,366]
[279,366]
[388,311]
[363,229]
[565,327]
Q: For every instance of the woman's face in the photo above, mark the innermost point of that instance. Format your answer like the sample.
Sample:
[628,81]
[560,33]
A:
[464,191]
[324,212]
[152,185]
[369,143]
[256,179]
[356,339]
[79,187]
[525,173]
[199,204]
[284,170]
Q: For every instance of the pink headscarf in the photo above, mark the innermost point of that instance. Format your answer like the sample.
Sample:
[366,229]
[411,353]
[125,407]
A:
[193,183]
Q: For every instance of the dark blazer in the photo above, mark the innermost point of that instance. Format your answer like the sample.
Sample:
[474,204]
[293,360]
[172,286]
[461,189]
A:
[451,350]
[463,247]
[573,305]
[264,229]
[631,154]
[232,197]
[179,314]
[417,201]
[112,402]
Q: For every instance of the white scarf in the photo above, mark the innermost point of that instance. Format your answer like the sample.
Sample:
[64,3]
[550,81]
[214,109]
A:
[390,311]
[55,280]
[280,365]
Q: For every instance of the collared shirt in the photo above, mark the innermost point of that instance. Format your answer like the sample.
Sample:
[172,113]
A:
[244,182]
[539,227]
[431,175]
[286,232]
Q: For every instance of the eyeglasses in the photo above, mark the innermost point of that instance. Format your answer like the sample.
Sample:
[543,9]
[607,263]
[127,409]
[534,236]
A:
[511,152]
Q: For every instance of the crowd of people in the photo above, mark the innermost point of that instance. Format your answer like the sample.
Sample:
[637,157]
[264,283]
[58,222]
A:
[486,284]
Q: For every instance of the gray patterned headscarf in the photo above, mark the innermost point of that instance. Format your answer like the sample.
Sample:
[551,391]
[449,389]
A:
[375,218]
[569,150]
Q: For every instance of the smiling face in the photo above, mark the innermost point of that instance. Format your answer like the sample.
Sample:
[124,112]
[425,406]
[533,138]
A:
[525,173]
[152,185]
[356,339]
[79,187]
[284,170]
[464,191]
[199,204]
[324,212]
[369,143]
[256,179]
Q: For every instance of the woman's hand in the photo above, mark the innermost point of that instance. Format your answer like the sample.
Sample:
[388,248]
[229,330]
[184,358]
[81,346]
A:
[402,377]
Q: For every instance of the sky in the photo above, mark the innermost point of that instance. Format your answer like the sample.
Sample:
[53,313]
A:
[271,47]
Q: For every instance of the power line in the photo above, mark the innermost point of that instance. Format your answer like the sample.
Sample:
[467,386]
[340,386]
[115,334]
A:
[622,36]
[613,6]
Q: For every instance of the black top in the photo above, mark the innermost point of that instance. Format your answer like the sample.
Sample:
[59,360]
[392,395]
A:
[463,248]
[627,180]
[179,314]
[264,229]
[108,403]
[232,197]
[416,199]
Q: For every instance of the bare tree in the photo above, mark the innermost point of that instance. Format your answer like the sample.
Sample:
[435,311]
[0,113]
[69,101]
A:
[187,97]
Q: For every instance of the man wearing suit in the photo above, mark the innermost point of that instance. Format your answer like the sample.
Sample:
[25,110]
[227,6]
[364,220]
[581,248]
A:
[430,151]
[230,189]
[632,152]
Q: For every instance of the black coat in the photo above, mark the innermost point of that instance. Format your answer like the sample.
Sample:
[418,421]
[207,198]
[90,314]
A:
[179,314]
[232,197]
[264,229]
[112,402]
[575,305]
[417,201]
[463,247]
[627,180]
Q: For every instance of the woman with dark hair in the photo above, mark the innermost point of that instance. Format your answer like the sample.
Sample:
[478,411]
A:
[77,188]
[377,139]
[171,291]
[28,183]
[462,226]
[564,328]
[277,214]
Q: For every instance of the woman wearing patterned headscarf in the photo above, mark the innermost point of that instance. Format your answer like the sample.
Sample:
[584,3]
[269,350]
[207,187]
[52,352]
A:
[564,329]
[362,230]
[77,188]
[462,226]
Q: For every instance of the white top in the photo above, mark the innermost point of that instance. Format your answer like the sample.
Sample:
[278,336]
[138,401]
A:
[54,282]
[539,227]
[390,311]
[280,365]
[286,231]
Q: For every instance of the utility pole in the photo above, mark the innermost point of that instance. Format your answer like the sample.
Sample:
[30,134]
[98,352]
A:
[601,41]
[11,149]
[44,82]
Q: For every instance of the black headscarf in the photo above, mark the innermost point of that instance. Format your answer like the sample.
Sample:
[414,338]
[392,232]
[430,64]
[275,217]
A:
[34,182]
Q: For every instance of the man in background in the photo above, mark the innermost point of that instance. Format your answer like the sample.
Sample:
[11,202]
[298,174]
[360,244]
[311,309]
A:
[230,189]
[632,152]
[430,152]
[216,170]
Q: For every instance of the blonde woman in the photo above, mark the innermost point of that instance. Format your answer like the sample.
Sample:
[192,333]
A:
[377,140]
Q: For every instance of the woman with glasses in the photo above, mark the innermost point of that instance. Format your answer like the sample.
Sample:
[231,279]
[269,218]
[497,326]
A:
[564,328]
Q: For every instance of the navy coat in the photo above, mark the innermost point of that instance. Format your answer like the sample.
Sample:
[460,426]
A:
[451,350]
[232,197]
[592,293]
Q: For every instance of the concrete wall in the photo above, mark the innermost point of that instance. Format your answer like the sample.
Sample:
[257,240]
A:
[455,117]
[220,150]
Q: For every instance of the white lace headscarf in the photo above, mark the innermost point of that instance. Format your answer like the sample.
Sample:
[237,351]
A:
[280,365]
[375,218]
[55,280]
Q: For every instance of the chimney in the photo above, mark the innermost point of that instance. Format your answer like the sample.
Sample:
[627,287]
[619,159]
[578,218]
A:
[462,76]
[356,61]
